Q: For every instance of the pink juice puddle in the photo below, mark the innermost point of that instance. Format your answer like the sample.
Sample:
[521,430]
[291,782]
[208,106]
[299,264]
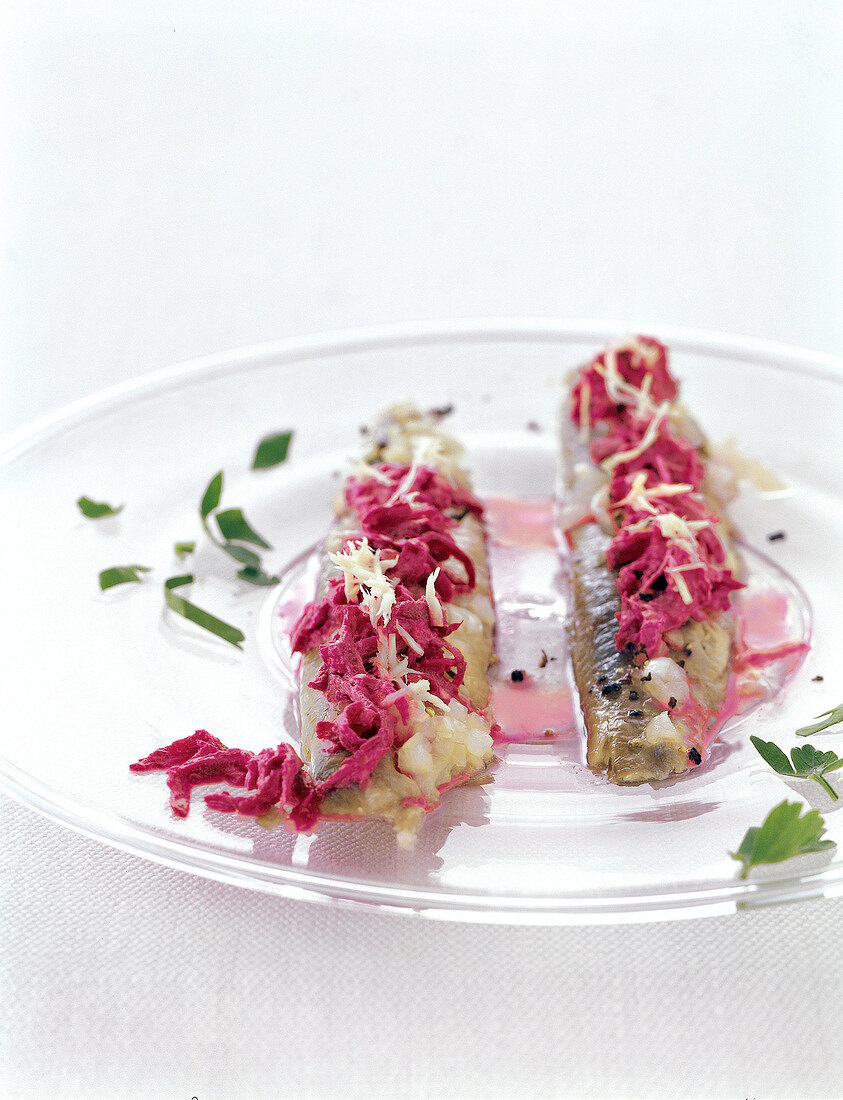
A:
[533,712]
[772,638]
[765,630]
[530,639]
[763,617]
[520,524]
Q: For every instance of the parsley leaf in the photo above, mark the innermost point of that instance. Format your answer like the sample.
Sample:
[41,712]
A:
[782,835]
[195,614]
[272,450]
[121,574]
[773,755]
[808,762]
[827,718]
[96,509]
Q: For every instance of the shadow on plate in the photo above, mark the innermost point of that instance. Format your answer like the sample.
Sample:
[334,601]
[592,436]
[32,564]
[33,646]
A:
[364,849]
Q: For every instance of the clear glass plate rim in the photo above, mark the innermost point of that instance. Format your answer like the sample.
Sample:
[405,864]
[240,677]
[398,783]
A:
[697,899]
[347,341]
[655,904]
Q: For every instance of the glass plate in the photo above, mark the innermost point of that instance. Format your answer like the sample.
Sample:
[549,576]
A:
[93,680]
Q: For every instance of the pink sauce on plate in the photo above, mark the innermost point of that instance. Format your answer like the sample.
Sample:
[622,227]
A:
[527,712]
[520,524]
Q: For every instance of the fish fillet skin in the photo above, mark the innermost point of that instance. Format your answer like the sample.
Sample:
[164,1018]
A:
[441,747]
[616,710]
[645,719]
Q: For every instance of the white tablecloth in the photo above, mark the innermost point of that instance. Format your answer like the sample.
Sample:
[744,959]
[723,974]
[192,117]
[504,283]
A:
[183,178]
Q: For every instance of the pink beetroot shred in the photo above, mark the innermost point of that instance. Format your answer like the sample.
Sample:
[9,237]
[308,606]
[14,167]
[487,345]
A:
[644,356]
[410,519]
[668,459]
[648,563]
[669,559]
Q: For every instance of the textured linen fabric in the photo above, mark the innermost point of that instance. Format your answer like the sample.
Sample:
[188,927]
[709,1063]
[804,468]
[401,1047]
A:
[120,978]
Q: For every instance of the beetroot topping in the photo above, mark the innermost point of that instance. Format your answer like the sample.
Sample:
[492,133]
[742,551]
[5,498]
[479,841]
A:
[275,775]
[424,485]
[278,779]
[192,761]
[634,374]
[669,559]
[666,576]
[382,636]
[380,628]
[635,497]
[197,744]
[631,445]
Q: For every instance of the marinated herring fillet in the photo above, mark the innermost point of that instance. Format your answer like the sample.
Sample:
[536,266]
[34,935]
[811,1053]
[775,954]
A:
[651,568]
[395,651]
[405,608]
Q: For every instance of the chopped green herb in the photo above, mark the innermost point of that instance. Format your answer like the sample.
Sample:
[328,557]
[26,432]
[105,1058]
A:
[807,762]
[182,549]
[233,525]
[272,450]
[211,497]
[242,554]
[122,574]
[235,529]
[196,615]
[827,718]
[96,509]
[782,835]
[255,575]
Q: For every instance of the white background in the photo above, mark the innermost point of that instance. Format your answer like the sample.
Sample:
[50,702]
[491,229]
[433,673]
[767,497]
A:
[184,178]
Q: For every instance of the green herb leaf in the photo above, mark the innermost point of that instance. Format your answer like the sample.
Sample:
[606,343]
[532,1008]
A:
[178,582]
[122,574]
[272,450]
[774,756]
[828,718]
[182,549]
[811,763]
[235,529]
[196,615]
[233,525]
[808,762]
[782,835]
[211,497]
[256,575]
[242,554]
[96,509]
